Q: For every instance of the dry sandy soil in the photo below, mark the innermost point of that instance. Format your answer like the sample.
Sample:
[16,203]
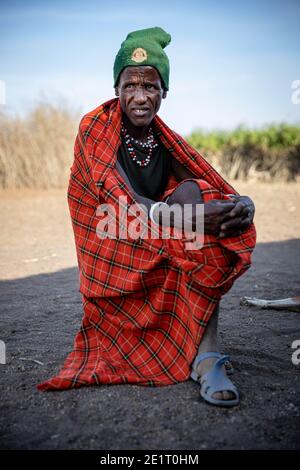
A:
[41,311]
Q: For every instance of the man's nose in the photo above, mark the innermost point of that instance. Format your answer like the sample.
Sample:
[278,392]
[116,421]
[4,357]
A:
[140,95]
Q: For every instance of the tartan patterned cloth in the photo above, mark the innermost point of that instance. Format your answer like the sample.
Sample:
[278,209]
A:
[146,302]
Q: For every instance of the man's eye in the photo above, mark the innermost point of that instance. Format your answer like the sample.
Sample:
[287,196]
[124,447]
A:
[149,87]
[129,85]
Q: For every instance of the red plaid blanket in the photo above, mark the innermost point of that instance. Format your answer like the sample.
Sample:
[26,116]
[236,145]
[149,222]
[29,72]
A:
[147,301]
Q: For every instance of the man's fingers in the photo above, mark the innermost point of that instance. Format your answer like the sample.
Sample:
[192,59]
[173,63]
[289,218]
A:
[238,209]
[221,203]
[218,208]
[225,208]
[225,203]
[237,230]
[242,213]
[248,213]
[231,233]
[232,223]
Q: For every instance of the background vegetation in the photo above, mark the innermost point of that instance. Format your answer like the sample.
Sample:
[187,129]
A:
[269,153]
[37,151]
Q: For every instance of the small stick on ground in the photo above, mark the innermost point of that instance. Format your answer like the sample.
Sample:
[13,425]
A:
[31,360]
[291,303]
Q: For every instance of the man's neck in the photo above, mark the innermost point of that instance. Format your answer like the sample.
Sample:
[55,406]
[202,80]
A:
[138,132]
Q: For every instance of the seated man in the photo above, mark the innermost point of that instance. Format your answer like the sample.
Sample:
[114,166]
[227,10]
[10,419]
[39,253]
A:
[150,305]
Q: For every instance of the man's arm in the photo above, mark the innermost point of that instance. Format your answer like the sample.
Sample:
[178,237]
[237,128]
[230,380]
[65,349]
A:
[179,171]
[220,217]
[217,221]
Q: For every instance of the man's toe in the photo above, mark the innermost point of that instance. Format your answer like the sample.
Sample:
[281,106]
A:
[218,396]
[228,395]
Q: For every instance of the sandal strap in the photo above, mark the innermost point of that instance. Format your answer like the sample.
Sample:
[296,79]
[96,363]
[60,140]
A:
[202,356]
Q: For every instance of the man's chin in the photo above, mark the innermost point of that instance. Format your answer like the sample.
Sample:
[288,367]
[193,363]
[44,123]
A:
[140,122]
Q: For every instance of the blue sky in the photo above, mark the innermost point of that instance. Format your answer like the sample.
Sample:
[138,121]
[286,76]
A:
[232,62]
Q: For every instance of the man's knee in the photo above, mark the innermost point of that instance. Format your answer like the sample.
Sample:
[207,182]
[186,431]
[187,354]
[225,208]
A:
[187,192]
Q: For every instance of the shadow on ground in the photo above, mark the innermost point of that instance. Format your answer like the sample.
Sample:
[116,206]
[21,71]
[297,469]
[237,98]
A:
[40,316]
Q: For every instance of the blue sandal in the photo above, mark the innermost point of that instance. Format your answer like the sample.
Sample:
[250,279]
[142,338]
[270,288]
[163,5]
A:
[215,380]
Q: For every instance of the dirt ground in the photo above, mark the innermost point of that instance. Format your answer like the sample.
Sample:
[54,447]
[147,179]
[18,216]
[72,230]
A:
[41,311]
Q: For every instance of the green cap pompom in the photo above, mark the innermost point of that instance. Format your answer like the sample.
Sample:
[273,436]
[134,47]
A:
[144,47]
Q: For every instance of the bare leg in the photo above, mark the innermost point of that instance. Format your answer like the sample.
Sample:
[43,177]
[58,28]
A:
[210,343]
[189,193]
[186,193]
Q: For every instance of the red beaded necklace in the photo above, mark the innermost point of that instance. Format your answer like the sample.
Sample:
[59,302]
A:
[150,144]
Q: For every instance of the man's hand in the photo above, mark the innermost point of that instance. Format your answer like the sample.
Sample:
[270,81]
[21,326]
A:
[239,218]
[216,213]
[224,218]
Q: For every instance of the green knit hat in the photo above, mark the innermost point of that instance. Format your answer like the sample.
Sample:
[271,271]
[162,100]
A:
[144,47]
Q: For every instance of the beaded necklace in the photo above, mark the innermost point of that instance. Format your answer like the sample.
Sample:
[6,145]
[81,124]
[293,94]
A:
[150,144]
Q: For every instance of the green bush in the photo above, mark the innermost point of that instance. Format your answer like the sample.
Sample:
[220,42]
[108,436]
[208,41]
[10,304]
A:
[269,153]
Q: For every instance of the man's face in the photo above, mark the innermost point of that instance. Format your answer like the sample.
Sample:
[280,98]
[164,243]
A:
[140,91]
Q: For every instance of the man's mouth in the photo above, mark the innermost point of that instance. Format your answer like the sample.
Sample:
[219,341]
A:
[140,111]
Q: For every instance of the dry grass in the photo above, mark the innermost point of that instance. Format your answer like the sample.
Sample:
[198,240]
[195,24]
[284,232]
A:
[37,152]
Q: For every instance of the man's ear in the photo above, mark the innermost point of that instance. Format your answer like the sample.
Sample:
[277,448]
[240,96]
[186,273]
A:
[117,91]
[164,95]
